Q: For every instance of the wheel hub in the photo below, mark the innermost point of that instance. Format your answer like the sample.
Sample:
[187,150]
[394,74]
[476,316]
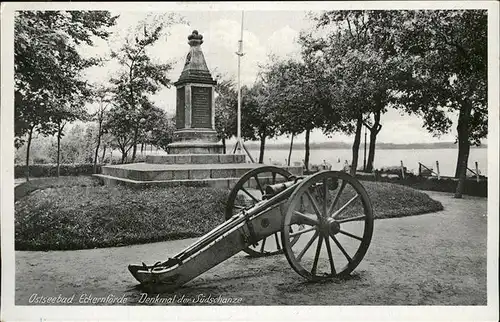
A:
[334,227]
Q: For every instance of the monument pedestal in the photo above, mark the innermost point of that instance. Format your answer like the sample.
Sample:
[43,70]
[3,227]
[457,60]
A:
[195,141]
[195,147]
[195,110]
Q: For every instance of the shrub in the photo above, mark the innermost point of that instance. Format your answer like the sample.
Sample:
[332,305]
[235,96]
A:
[87,217]
[471,187]
[26,188]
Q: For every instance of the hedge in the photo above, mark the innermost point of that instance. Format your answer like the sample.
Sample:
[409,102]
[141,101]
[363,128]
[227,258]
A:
[471,186]
[50,170]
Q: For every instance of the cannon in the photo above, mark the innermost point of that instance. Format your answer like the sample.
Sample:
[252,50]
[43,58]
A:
[323,223]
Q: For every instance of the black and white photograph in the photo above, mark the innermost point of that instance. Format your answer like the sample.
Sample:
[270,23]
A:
[250,161]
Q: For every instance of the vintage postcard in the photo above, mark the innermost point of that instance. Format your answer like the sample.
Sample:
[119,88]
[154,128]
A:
[249,161]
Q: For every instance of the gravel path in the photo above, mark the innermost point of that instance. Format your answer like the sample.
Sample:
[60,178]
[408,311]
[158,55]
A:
[433,259]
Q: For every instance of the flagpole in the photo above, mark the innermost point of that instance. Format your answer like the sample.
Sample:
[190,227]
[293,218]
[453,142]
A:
[239,53]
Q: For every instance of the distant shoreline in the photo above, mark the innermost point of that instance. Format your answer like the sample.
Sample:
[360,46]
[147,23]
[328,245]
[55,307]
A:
[343,146]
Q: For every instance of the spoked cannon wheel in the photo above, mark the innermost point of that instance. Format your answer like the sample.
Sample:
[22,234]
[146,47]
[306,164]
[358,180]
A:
[248,191]
[338,218]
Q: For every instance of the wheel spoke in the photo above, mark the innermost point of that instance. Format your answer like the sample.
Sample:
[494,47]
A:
[309,243]
[350,235]
[262,246]
[303,218]
[325,198]
[258,184]
[330,258]
[316,257]
[349,259]
[249,194]
[300,232]
[338,212]
[277,241]
[337,196]
[314,203]
[341,221]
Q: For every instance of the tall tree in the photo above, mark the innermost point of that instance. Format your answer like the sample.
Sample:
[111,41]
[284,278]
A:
[296,98]
[449,55]
[103,100]
[256,118]
[47,65]
[140,75]
[362,46]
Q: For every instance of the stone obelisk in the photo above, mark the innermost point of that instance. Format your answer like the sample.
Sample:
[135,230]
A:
[195,111]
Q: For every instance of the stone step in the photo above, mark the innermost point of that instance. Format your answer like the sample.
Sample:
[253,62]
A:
[195,158]
[222,183]
[215,183]
[168,172]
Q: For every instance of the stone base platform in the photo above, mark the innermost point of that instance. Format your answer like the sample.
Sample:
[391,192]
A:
[195,158]
[140,175]
[195,147]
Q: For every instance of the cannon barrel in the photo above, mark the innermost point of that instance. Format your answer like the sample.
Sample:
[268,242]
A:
[273,189]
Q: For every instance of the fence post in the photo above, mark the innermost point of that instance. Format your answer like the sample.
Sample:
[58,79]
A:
[477,172]
[437,170]
[402,170]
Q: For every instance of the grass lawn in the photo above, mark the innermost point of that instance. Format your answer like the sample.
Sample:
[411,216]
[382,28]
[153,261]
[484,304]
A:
[76,213]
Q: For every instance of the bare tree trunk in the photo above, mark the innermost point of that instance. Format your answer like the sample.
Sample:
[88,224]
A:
[306,159]
[58,161]
[99,134]
[374,130]
[355,146]
[463,146]
[28,147]
[224,144]
[262,147]
[124,156]
[134,142]
[290,151]
[60,128]
[103,152]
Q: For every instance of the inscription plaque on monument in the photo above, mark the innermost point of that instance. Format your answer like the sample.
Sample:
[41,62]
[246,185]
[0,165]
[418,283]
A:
[180,113]
[201,107]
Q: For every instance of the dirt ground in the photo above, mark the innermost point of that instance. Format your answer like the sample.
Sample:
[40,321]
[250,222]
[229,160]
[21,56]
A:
[433,259]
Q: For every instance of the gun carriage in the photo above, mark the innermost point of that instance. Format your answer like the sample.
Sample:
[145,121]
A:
[323,223]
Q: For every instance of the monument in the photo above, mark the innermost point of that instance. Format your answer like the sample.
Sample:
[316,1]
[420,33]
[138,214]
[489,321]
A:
[195,109]
[194,157]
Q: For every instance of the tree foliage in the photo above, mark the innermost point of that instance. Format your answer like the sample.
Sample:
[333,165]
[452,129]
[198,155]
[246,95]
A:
[449,59]
[226,106]
[257,121]
[47,64]
[49,90]
[358,53]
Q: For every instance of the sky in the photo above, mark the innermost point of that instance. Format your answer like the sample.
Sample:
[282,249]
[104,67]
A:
[265,33]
